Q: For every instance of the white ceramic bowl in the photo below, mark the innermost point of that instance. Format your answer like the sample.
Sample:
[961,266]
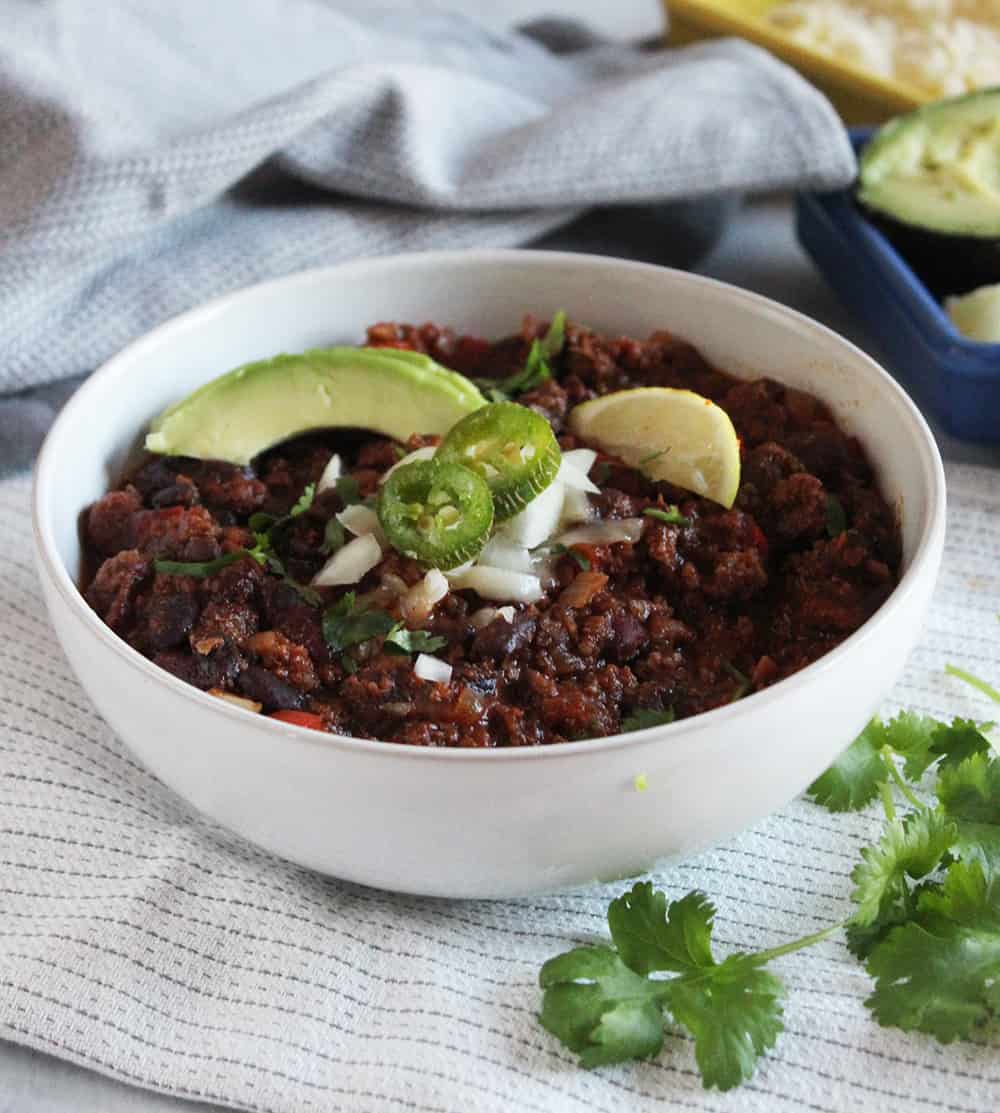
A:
[498,823]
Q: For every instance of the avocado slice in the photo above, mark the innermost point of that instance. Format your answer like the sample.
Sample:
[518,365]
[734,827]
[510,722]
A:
[240,414]
[931,182]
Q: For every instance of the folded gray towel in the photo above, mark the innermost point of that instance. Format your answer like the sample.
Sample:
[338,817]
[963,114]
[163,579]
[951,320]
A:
[156,155]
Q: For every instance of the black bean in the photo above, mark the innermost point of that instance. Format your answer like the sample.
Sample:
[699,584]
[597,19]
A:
[258,684]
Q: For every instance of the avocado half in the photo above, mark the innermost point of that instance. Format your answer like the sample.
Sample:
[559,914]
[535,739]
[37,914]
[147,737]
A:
[930,180]
[240,414]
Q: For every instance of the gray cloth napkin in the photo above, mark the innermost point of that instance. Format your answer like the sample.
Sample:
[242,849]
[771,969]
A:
[152,156]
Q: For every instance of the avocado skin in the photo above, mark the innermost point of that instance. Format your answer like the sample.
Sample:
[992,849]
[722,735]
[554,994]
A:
[946,264]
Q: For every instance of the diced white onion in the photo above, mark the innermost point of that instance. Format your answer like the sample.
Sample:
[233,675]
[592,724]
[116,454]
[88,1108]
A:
[350,564]
[580,458]
[427,667]
[236,701]
[424,453]
[571,476]
[538,520]
[502,553]
[331,473]
[576,507]
[361,520]
[419,601]
[500,584]
[485,615]
[605,533]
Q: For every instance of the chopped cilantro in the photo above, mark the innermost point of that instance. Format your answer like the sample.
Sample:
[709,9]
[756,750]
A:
[536,368]
[562,550]
[347,623]
[672,516]
[199,569]
[334,537]
[646,717]
[836,516]
[400,640]
[348,489]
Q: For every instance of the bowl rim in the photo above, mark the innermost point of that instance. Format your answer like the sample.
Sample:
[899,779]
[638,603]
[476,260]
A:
[925,553]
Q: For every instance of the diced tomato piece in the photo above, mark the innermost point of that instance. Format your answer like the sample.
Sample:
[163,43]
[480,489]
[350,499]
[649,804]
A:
[299,719]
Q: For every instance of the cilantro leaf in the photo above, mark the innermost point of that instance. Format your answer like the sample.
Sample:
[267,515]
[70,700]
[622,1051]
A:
[536,367]
[911,848]
[969,794]
[334,537]
[652,937]
[672,516]
[734,1017]
[600,1005]
[599,1008]
[942,976]
[836,516]
[402,641]
[563,550]
[199,569]
[646,717]
[304,501]
[963,738]
[348,489]
[554,340]
[345,623]
[853,780]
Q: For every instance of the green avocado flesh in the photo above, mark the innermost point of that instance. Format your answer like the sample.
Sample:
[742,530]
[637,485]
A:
[240,414]
[939,168]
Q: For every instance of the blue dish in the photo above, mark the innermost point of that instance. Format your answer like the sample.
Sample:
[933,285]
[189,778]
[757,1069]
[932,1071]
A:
[958,379]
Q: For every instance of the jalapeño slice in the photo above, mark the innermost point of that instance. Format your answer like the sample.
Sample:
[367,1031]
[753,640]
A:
[436,512]
[511,447]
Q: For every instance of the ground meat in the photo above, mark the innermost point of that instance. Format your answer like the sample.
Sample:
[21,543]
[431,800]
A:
[109,522]
[167,614]
[177,533]
[113,589]
[694,614]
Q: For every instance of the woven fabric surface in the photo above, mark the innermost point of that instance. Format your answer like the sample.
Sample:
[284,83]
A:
[141,940]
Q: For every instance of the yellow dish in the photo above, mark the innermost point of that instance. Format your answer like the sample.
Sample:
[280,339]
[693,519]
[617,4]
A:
[859,96]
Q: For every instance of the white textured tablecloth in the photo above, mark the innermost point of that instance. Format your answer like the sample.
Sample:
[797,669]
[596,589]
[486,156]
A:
[140,940]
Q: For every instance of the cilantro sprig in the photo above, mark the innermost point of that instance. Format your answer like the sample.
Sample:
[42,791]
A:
[925,920]
[671,516]
[349,622]
[536,368]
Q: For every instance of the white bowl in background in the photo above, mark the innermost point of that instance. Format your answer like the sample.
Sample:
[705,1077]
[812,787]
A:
[470,823]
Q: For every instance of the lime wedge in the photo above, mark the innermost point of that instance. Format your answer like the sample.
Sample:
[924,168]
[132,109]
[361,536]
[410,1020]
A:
[675,436]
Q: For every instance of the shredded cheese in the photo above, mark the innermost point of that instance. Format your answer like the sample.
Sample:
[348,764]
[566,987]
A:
[941,47]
